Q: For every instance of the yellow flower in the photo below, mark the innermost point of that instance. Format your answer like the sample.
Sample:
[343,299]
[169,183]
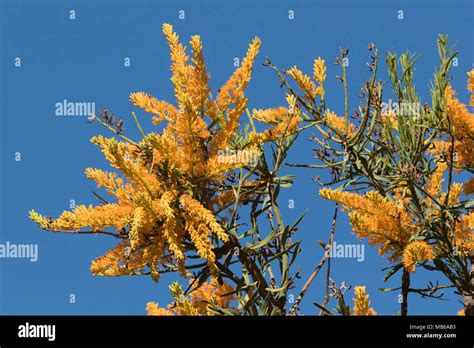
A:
[43,222]
[464,236]
[433,187]
[305,84]
[121,156]
[416,251]
[166,193]
[162,109]
[455,193]
[199,302]
[362,303]
[119,261]
[339,122]
[200,223]
[462,127]
[152,308]
[390,119]
[104,179]
[281,130]
[462,123]
[137,224]
[270,116]
[232,94]
[181,71]
[383,222]
[212,292]
[319,71]
[199,88]
[99,217]
[285,122]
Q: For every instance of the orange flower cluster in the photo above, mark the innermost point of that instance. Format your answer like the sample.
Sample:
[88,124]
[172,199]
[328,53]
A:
[339,122]
[388,223]
[199,301]
[319,71]
[416,251]
[284,121]
[462,238]
[462,125]
[311,89]
[171,180]
[362,303]
[381,221]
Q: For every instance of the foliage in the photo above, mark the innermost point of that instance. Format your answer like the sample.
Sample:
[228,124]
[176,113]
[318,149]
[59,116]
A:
[179,191]
[394,171]
[179,194]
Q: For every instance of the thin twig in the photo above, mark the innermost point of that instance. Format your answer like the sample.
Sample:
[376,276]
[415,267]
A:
[114,131]
[328,272]
[295,306]
[101,199]
[138,124]
[116,235]
[346,94]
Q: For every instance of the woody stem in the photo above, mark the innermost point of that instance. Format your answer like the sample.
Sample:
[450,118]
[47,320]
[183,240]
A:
[405,291]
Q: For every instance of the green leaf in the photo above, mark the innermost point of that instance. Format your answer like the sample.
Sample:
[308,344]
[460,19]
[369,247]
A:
[392,271]
[324,309]
[262,242]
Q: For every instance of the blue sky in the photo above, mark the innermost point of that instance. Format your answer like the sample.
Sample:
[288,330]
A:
[82,60]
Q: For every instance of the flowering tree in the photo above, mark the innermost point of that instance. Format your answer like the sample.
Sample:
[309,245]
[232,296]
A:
[394,171]
[178,194]
[177,199]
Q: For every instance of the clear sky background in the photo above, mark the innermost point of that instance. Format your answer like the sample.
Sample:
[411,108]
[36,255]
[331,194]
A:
[83,60]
